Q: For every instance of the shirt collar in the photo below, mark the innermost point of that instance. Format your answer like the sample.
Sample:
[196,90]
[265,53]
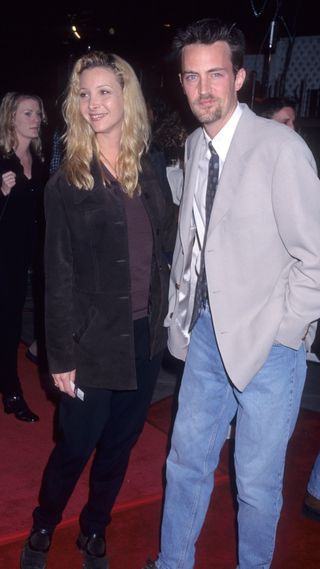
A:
[221,142]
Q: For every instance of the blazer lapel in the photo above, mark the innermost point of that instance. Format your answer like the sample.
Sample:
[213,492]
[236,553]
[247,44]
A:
[233,166]
[191,171]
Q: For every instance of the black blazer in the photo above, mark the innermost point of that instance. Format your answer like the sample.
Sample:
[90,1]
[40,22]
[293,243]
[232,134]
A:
[89,324]
[20,214]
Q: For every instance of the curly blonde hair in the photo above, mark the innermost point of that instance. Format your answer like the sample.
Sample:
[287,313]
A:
[80,141]
[8,108]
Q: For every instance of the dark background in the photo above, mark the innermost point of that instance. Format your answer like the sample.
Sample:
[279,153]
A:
[38,48]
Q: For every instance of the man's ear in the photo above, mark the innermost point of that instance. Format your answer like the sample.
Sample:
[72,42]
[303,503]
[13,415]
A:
[181,83]
[240,78]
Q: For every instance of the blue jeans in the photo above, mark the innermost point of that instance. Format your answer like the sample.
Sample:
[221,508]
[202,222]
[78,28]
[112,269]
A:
[266,415]
[314,480]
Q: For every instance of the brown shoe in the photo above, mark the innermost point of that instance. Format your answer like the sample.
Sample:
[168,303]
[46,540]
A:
[311,507]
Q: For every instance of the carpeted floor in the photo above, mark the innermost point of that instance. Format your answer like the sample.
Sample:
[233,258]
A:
[133,535]
[24,450]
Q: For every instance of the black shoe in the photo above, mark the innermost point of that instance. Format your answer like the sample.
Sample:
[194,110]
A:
[35,552]
[150,565]
[94,551]
[17,405]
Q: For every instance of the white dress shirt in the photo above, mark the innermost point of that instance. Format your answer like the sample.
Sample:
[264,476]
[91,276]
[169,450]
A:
[221,143]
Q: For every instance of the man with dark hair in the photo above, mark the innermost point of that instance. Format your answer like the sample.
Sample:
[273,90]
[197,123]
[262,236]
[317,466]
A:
[280,109]
[245,291]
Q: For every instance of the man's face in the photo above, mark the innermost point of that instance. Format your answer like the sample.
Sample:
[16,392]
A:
[209,82]
[286,116]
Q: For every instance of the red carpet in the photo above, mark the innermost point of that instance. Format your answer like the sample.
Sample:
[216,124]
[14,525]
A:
[24,450]
[133,534]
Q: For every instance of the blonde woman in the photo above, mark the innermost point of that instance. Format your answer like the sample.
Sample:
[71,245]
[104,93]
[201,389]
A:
[22,181]
[107,233]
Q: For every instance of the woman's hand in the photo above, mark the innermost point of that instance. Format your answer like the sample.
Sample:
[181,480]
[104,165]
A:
[63,381]
[8,181]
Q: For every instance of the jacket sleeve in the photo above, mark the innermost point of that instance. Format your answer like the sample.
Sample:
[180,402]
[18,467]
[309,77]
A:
[170,223]
[296,202]
[58,260]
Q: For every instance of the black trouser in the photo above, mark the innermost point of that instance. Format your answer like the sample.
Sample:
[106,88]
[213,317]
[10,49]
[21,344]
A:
[108,421]
[13,288]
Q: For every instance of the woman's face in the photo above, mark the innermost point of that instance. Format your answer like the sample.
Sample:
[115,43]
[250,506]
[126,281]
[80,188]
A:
[101,100]
[27,119]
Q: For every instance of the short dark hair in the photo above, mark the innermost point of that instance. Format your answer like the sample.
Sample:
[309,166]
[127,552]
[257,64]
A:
[208,31]
[271,105]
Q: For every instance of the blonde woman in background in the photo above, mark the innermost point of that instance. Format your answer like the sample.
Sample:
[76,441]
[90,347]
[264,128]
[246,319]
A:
[22,178]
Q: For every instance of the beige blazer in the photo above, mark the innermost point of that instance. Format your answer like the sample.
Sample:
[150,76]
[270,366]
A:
[262,253]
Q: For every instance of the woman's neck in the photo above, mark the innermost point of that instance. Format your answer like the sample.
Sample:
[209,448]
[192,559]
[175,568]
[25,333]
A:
[109,154]
[24,154]
[22,149]
[110,163]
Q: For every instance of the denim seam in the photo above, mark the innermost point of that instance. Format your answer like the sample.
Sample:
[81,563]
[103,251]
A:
[278,504]
[197,496]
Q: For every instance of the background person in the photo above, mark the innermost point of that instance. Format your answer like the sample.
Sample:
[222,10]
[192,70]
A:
[170,137]
[244,288]
[22,176]
[280,109]
[158,109]
[107,231]
[283,110]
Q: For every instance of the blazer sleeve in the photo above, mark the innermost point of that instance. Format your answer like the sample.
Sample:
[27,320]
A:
[58,260]
[296,202]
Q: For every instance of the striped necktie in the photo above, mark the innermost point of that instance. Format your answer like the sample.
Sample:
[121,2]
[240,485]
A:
[201,288]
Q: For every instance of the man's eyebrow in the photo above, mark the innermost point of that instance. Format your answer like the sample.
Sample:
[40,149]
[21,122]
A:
[214,69]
